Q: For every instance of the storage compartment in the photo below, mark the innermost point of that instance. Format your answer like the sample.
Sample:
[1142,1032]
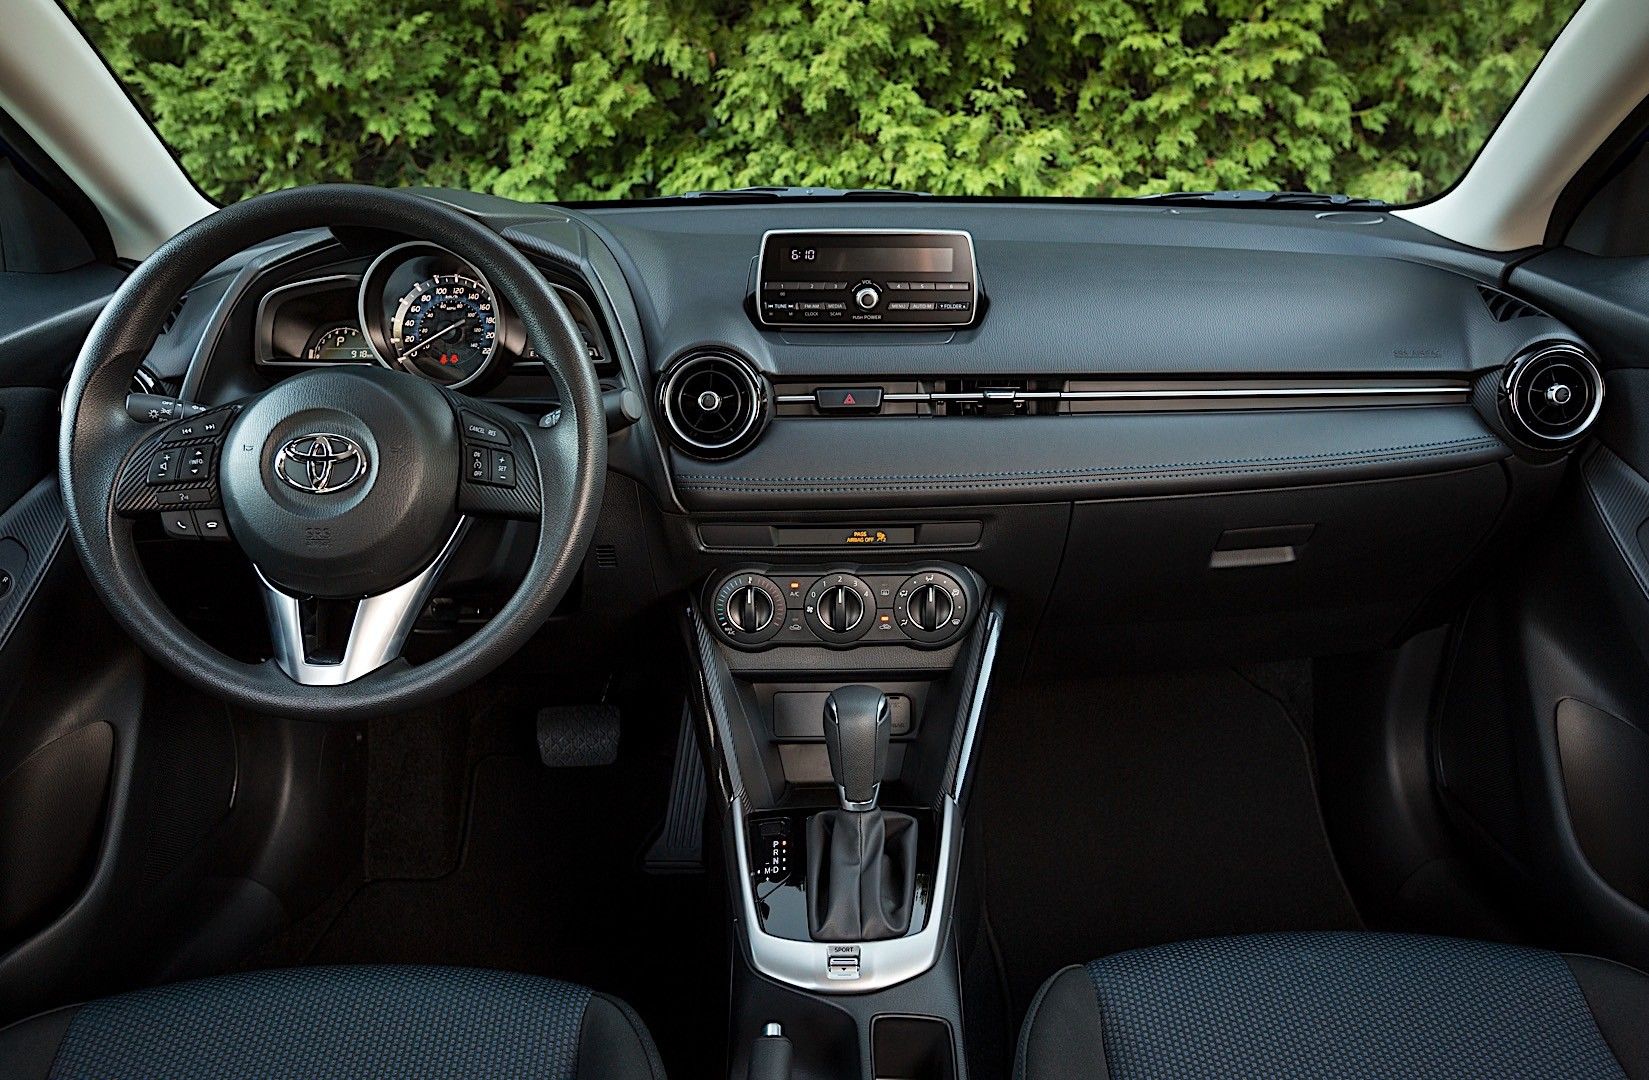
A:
[1261,574]
[911,1048]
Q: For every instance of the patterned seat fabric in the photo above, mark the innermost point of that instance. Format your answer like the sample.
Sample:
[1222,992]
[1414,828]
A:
[341,1024]
[1332,1005]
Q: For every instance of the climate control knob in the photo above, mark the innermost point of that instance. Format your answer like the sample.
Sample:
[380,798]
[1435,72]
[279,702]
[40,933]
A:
[749,609]
[931,607]
[840,608]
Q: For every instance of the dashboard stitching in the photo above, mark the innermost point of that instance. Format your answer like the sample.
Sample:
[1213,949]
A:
[697,481]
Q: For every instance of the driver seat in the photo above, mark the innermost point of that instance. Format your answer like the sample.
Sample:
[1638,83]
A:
[340,1023]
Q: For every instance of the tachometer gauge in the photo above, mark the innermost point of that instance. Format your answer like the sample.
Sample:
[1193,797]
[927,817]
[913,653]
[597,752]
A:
[338,345]
[446,327]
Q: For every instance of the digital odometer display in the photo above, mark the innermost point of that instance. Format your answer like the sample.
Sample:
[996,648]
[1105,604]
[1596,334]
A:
[446,327]
[339,345]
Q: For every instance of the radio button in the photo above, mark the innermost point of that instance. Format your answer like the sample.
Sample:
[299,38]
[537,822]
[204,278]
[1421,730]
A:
[899,305]
[924,305]
[898,286]
[954,305]
[867,297]
[925,286]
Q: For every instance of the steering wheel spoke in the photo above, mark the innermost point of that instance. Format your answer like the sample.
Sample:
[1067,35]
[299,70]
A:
[329,642]
[498,473]
[172,472]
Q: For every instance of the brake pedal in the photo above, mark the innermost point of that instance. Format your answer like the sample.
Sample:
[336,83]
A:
[577,736]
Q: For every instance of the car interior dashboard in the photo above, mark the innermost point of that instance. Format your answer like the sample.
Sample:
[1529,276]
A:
[932,449]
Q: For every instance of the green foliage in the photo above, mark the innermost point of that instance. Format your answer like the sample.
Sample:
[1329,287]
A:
[630,98]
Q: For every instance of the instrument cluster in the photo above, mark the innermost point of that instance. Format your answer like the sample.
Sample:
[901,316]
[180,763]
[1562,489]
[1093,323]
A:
[417,307]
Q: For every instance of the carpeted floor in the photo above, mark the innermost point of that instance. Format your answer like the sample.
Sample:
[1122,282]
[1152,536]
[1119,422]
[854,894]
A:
[500,862]
[1129,811]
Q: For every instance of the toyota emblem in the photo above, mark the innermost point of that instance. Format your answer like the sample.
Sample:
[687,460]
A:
[320,463]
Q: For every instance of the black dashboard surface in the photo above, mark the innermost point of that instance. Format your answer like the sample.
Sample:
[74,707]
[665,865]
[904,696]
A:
[1136,295]
[1384,350]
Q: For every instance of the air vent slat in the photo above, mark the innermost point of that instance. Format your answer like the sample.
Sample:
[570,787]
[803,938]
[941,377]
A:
[1505,307]
[715,403]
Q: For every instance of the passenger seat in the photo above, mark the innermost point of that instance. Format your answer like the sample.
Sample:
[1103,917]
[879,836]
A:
[1331,1005]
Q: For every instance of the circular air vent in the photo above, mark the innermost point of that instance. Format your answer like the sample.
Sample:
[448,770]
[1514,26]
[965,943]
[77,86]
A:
[715,403]
[1553,393]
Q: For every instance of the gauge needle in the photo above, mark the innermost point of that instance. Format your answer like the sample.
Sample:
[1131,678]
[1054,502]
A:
[432,339]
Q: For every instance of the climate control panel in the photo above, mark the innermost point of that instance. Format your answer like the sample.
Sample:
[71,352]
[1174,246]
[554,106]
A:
[767,606]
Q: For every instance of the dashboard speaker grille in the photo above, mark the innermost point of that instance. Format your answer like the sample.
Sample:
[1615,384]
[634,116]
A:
[715,403]
[1554,393]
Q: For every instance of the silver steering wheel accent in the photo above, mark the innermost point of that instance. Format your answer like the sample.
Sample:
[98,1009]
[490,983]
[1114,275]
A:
[379,630]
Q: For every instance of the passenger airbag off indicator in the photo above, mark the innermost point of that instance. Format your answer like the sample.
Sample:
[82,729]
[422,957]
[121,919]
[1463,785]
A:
[848,399]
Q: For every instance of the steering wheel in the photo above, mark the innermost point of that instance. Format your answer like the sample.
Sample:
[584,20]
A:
[347,488]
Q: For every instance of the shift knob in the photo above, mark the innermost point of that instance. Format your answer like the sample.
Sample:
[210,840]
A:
[857,724]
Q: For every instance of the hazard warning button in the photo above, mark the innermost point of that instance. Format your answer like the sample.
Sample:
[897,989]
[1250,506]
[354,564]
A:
[848,399]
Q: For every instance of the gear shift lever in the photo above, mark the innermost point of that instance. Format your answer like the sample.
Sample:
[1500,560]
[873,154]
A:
[857,725]
[861,860]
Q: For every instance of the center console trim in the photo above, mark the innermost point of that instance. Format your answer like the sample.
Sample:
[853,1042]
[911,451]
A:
[882,964]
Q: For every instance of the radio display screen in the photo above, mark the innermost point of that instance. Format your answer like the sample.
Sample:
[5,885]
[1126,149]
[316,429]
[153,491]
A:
[870,260]
[866,279]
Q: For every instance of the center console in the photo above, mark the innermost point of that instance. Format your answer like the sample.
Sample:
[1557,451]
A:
[843,703]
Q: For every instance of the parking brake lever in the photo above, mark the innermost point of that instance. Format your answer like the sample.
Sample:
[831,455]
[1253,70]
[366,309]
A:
[770,1055]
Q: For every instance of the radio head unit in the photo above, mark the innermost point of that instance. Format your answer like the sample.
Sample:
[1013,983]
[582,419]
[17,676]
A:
[866,279]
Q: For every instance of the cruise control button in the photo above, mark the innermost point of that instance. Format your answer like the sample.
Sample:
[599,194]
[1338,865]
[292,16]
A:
[483,430]
[848,399]
[179,524]
[503,469]
[479,463]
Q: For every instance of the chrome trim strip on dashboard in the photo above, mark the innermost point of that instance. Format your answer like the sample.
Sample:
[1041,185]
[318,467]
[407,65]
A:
[376,634]
[1317,393]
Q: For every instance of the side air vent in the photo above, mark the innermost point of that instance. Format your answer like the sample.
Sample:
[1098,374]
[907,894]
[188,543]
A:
[715,403]
[1552,393]
[172,316]
[1505,307]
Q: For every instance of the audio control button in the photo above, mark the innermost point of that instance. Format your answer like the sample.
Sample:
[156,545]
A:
[867,297]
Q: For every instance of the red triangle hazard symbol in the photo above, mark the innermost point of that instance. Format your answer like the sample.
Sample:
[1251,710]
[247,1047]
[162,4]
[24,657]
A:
[848,400]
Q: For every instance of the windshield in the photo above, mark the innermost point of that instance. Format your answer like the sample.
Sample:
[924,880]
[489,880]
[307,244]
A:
[628,99]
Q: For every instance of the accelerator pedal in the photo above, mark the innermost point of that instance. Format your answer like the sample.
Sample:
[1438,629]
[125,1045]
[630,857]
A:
[679,848]
[575,736]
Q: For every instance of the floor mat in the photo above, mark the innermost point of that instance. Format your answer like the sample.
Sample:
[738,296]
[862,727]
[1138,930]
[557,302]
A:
[549,880]
[1131,811]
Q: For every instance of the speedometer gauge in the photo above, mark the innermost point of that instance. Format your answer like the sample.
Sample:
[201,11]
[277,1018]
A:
[446,327]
